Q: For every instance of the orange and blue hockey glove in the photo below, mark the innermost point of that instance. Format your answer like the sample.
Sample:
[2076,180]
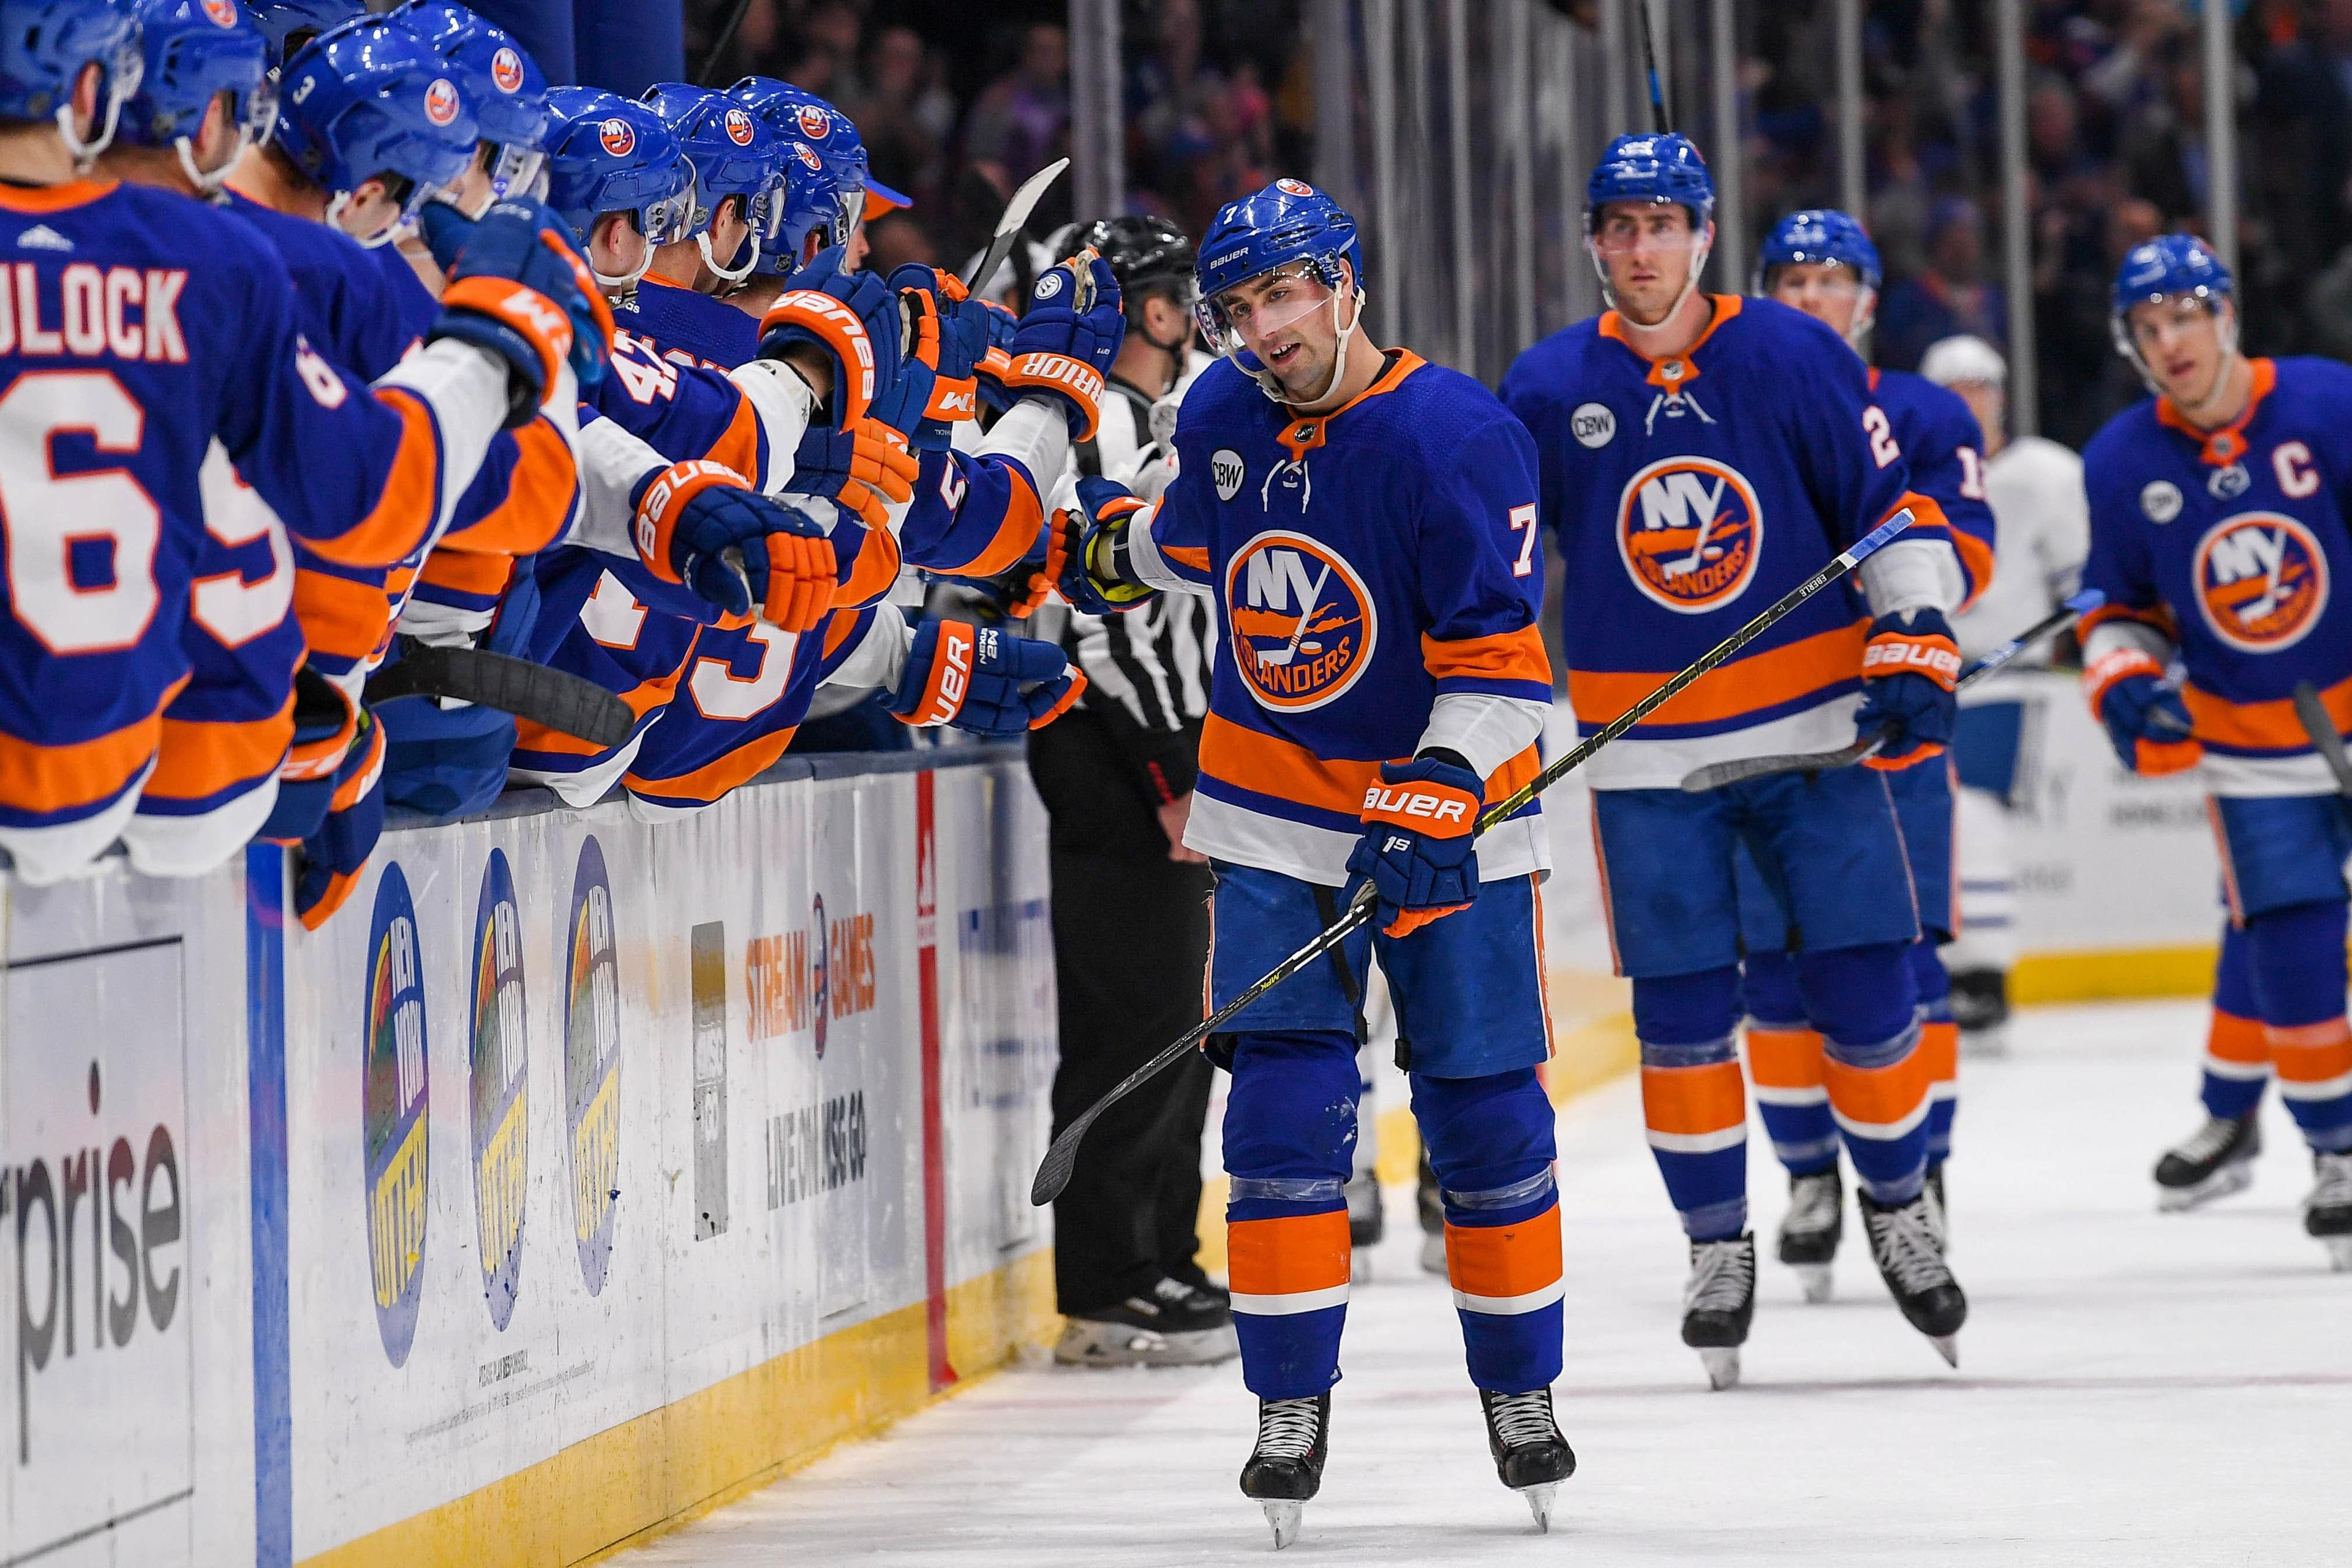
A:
[1417,848]
[1065,344]
[2146,720]
[1910,671]
[983,681]
[332,857]
[745,553]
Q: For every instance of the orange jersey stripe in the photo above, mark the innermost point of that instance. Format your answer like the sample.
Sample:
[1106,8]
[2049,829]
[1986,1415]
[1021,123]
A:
[2235,1039]
[538,503]
[194,758]
[404,513]
[465,571]
[1878,1096]
[2262,726]
[1504,1260]
[1759,682]
[641,699]
[338,617]
[1692,1100]
[1187,557]
[1785,1059]
[1940,1048]
[1288,1254]
[1504,656]
[2311,1053]
[714,780]
[1272,766]
[876,569]
[737,446]
[1023,517]
[37,778]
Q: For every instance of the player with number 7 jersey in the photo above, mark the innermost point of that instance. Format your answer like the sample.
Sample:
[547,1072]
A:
[139,328]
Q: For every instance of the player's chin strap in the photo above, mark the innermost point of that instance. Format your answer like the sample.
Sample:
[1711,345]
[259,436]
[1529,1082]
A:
[726,275]
[1865,316]
[339,204]
[209,185]
[2226,332]
[1267,383]
[1690,284]
[84,154]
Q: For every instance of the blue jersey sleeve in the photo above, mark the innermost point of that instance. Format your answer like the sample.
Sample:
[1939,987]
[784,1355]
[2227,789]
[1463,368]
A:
[2119,564]
[1946,461]
[683,412]
[1847,451]
[973,515]
[1481,567]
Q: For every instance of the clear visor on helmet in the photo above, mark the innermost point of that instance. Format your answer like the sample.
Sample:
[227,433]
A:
[1829,279]
[259,105]
[2151,315]
[849,217]
[1256,307]
[670,219]
[514,171]
[763,213]
[1620,226]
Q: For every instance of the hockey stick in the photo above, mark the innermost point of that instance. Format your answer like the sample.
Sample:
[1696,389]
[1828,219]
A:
[2320,726]
[559,701]
[719,46]
[1660,110]
[1714,775]
[1009,226]
[1054,1171]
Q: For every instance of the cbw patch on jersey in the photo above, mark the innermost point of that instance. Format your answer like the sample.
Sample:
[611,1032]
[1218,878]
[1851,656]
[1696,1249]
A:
[2262,581]
[1303,626]
[1689,531]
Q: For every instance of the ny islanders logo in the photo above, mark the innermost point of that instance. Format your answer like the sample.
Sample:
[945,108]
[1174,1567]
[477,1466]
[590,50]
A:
[506,70]
[591,1064]
[808,157]
[498,1062]
[1689,531]
[1303,626]
[393,1095]
[618,136]
[221,13]
[814,123]
[739,127]
[2262,581]
[441,101]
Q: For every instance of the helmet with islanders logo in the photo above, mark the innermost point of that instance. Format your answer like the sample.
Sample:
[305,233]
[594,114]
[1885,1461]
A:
[1292,229]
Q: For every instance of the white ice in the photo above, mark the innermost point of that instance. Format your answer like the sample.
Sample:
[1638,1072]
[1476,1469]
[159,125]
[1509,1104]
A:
[2134,1388]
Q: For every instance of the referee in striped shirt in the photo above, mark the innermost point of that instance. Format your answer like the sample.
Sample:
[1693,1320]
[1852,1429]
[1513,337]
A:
[1130,903]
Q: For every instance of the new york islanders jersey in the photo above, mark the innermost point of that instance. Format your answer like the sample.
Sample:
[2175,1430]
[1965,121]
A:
[1687,494]
[141,326]
[1377,579]
[1944,451]
[691,327]
[2228,545]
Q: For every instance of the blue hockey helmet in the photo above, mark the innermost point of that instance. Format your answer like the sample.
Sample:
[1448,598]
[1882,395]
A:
[1663,167]
[369,100]
[2171,266]
[1819,235]
[734,153]
[194,51]
[45,44]
[611,154]
[501,82]
[290,24]
[1288,221]
[823,198]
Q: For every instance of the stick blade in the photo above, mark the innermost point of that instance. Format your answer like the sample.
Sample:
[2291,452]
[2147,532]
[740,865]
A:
[1714,775]
[1054,1170]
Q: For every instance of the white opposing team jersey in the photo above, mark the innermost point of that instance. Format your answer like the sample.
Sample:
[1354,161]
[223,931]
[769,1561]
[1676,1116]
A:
[2035,488]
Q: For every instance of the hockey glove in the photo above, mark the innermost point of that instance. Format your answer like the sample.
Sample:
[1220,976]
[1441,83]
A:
[333,857]
[520,291]
[1417,847]
[2146,720]
[950,334]
[983,681]
[1065,345]
[997,359]
[1085,556]
[697,523]
[1910,669]
[852,317]
[863,468]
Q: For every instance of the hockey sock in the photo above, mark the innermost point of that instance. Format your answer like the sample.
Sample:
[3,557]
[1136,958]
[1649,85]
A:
[1692,1098]
[2237,1050]
[1939,1044]
[1289,1138]
[1490,1141]
[1784,1062]
[2299,973]
[1863,1000]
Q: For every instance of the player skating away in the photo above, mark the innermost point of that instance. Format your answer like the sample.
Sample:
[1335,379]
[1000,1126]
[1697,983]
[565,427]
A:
[1702,455]
[200,345]
[2218,534]
[1821,262]
[1364,522]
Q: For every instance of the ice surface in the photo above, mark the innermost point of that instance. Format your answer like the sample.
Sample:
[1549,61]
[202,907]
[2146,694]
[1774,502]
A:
[2138,1388]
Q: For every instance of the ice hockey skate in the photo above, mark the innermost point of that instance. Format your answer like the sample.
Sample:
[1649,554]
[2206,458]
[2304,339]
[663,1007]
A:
[1286,1468]
[1810,1230]
[1173,1325]
[1939,1217]
[2327,1210]
[1531,1455]
[1432,1210]
[1903,1241]
[1718,1302]
[2213,1161]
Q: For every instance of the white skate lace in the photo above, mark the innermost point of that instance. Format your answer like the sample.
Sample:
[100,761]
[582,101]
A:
[2334,1186]
[1813,1203]
[1723,1276]
[1903,1239]
[1286,1428]
[2207,1141]
[1520,1419]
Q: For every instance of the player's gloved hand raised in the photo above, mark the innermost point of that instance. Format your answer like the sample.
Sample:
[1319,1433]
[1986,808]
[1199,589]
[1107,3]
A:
[997,358]
[2146,720]
[1085,536]
[700,525]
[865,467]
[949,333]
[983,681]
[1064,346]
[333,856]
[1417,849]
[517,289]
[851,318]
[1910,669]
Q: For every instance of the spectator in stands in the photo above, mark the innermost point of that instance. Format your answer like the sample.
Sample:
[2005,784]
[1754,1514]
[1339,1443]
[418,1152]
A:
[1949,298]
[906,115]
[1020,122]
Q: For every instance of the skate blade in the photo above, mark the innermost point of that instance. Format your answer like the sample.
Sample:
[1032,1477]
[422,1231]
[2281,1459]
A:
[1284,1517]
[1722,1364]
[1539,1501]
[1359,1266]
[1433,1254]
[1948,1347]
[1118,1345]
[1815,1279]
[2229,1179]
[2339,1253]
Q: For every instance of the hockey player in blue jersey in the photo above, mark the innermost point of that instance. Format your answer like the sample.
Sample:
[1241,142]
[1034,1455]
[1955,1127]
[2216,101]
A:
[1821,263]
[1700,457]
[1365,523]
[2218,531]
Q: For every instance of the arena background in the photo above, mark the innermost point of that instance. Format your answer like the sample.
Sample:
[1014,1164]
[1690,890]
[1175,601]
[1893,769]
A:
[608,1172]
